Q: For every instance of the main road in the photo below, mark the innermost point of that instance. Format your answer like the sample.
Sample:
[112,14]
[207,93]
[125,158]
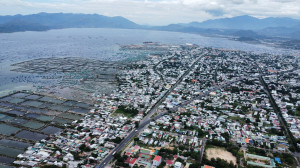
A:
[153,110]
[278,111]
[147,119]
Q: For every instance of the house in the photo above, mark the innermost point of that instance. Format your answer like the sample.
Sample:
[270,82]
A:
[169,162]
[206,166]
[157,160]
[178,165]
[131,161]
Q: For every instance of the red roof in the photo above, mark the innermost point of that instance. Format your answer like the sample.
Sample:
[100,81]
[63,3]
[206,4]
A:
[157,158]
[205,166]
[130,160]
[169,162]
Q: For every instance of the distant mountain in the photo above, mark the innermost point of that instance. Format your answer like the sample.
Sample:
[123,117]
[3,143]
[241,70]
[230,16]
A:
[243,28]
[245,23]
[44,21]
[210,31]
[20,26]
[283,32]
[191,29]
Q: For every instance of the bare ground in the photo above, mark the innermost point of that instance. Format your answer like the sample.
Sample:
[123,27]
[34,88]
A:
[220,153]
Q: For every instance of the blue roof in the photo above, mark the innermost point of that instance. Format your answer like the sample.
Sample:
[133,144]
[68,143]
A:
[277,160]
[285,144]
[175,103]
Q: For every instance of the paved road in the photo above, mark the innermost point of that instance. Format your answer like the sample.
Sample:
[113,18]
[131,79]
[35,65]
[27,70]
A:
[202,149]
[211,89]
[154,108]
[127,140]
[143,124]
[147,119]
[277,110]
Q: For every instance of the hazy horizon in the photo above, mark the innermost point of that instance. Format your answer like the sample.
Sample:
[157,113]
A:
[158,12]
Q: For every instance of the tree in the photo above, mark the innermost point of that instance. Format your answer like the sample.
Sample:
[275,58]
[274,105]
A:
[162,165]
[84,148]
[117,156]
[175,151]
[179,160]
[194,165]
[127,110]
[136,124]
[94,155]
[226,136]
[117,140]
[50,166]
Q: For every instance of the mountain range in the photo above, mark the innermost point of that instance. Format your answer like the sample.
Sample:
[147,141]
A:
[47,21]
[246,22]
[244,28]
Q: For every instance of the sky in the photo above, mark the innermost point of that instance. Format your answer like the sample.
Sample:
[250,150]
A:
[158,12]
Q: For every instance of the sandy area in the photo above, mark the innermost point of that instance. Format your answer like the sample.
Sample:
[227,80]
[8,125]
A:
[220,153]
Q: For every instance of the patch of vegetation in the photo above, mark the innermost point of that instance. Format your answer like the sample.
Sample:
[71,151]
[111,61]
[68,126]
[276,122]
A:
[285,158]
[256,151]
[117,140]
[120,160]
[236,118]
[84,148]
[217,162]
[127,111]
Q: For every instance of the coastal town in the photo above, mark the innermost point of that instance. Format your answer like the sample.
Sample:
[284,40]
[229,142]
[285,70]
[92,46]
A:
[178,106]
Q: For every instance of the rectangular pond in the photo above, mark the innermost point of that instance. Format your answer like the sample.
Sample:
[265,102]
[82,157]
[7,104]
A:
[6,160]
[45,118]
[5,118]
[8,130]
[80,110]
[18,121]
[5,166]
[61,121]
[16,100]
[70,116]
[33,125]
[32,103]
[16,112]
[32,115]
[51,100]
[51,130]
[14,144]
[33,97]
[10,152]
[20,95]
[31,135]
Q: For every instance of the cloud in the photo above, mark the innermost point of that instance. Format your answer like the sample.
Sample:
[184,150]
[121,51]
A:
[158,12]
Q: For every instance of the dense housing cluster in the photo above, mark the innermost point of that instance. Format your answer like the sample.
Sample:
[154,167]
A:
[184,106]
